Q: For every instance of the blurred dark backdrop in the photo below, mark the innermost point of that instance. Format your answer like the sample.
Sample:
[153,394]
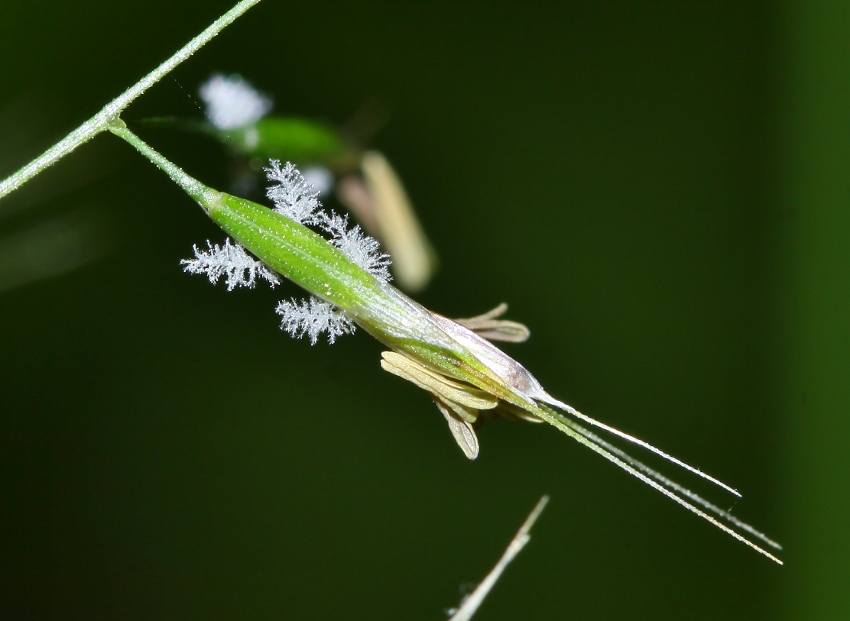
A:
[659,190]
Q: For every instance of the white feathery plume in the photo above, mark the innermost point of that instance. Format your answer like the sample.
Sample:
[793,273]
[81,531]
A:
[232,102]
[312,317]
[364,250]
[232,261]
[292,196]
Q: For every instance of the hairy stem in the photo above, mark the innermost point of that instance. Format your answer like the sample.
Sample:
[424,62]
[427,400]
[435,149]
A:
[100,121]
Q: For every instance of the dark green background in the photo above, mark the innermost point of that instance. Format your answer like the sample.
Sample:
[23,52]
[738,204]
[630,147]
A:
[659,190]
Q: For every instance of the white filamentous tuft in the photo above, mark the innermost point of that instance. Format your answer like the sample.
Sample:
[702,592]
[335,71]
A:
[232,102]
[312,317]
[292,196]
[231,261]
[364,250]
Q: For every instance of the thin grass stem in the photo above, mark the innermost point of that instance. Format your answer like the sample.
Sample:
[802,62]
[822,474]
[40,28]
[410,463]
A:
[100,121]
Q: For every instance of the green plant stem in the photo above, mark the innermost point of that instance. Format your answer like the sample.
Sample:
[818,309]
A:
[204,195]
[100,121]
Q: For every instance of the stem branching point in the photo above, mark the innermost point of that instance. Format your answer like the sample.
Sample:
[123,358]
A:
[109,113]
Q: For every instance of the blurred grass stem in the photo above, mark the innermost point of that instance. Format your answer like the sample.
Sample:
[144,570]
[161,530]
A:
[473,600]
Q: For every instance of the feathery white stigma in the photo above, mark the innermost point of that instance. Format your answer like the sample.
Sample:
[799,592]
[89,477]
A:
[312,317]
[232,102]
[231,261]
